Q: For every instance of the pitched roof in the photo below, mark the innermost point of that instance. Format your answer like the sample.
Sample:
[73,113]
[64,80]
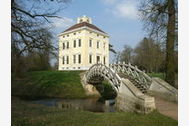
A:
[82,24]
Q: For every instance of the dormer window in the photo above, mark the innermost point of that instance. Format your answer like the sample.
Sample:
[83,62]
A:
[80,20]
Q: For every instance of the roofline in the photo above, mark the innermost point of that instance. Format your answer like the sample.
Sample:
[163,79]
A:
[84,27]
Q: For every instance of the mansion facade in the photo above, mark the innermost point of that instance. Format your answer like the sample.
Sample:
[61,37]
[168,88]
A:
[83,45]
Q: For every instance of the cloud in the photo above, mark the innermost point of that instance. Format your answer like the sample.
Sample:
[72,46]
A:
[126,9]
[123,8]
[62,23]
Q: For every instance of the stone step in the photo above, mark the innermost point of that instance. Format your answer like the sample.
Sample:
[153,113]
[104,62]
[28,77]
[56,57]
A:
[142,88]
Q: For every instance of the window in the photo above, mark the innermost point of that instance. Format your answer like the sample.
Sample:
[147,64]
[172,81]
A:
[79,58]
[74,43]
[67,59]
[104,45]
[104,36]
[63,60]
[79,42]
[74,33]
[98,59]
[90,43]
[97,34]
[104,60]
[74,59]
[97,44]
[67,45]
[63,45]
[67,35]
[90,59]
[63,36]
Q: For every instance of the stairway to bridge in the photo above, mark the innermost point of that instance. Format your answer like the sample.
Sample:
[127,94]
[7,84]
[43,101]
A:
[141,87]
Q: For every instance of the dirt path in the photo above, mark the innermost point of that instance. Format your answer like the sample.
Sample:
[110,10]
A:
[167,108]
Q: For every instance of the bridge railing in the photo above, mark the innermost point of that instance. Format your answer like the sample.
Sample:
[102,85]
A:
[133,72]
[110,73]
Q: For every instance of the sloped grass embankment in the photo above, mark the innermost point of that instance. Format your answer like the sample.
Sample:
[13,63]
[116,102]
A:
[48,84]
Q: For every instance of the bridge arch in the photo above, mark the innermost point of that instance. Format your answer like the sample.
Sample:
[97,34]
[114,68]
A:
[98,72]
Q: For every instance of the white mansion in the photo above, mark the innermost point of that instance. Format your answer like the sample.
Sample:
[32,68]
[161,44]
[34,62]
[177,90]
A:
[83,45]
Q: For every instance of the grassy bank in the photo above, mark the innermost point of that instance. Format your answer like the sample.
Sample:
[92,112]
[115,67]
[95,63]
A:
[45,84]
[160,75]
[26,114]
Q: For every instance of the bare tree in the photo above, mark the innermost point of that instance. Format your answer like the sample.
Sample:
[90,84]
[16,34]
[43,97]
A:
[160,19]
[148,55]
[126,54]
[37,61]
[170,59]
[117,57]
[111,49]
[29,29]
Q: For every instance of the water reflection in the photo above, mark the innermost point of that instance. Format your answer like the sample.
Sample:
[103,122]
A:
[90,104]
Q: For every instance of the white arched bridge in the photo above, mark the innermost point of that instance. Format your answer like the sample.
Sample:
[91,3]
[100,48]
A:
[134,87]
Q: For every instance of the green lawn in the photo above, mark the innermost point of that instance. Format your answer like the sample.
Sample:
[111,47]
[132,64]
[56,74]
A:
[160,75]
[45,84]
[26,114]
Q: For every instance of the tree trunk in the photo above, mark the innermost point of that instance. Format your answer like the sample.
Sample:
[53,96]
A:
[170,62]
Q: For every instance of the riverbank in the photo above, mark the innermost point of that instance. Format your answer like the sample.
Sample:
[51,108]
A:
[48,84]
[67,85]
[25,113]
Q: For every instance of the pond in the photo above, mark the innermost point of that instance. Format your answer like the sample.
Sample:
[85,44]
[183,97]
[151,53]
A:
[89,104]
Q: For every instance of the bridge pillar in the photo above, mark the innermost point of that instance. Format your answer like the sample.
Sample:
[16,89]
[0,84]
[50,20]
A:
[129,98]
[143,104]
